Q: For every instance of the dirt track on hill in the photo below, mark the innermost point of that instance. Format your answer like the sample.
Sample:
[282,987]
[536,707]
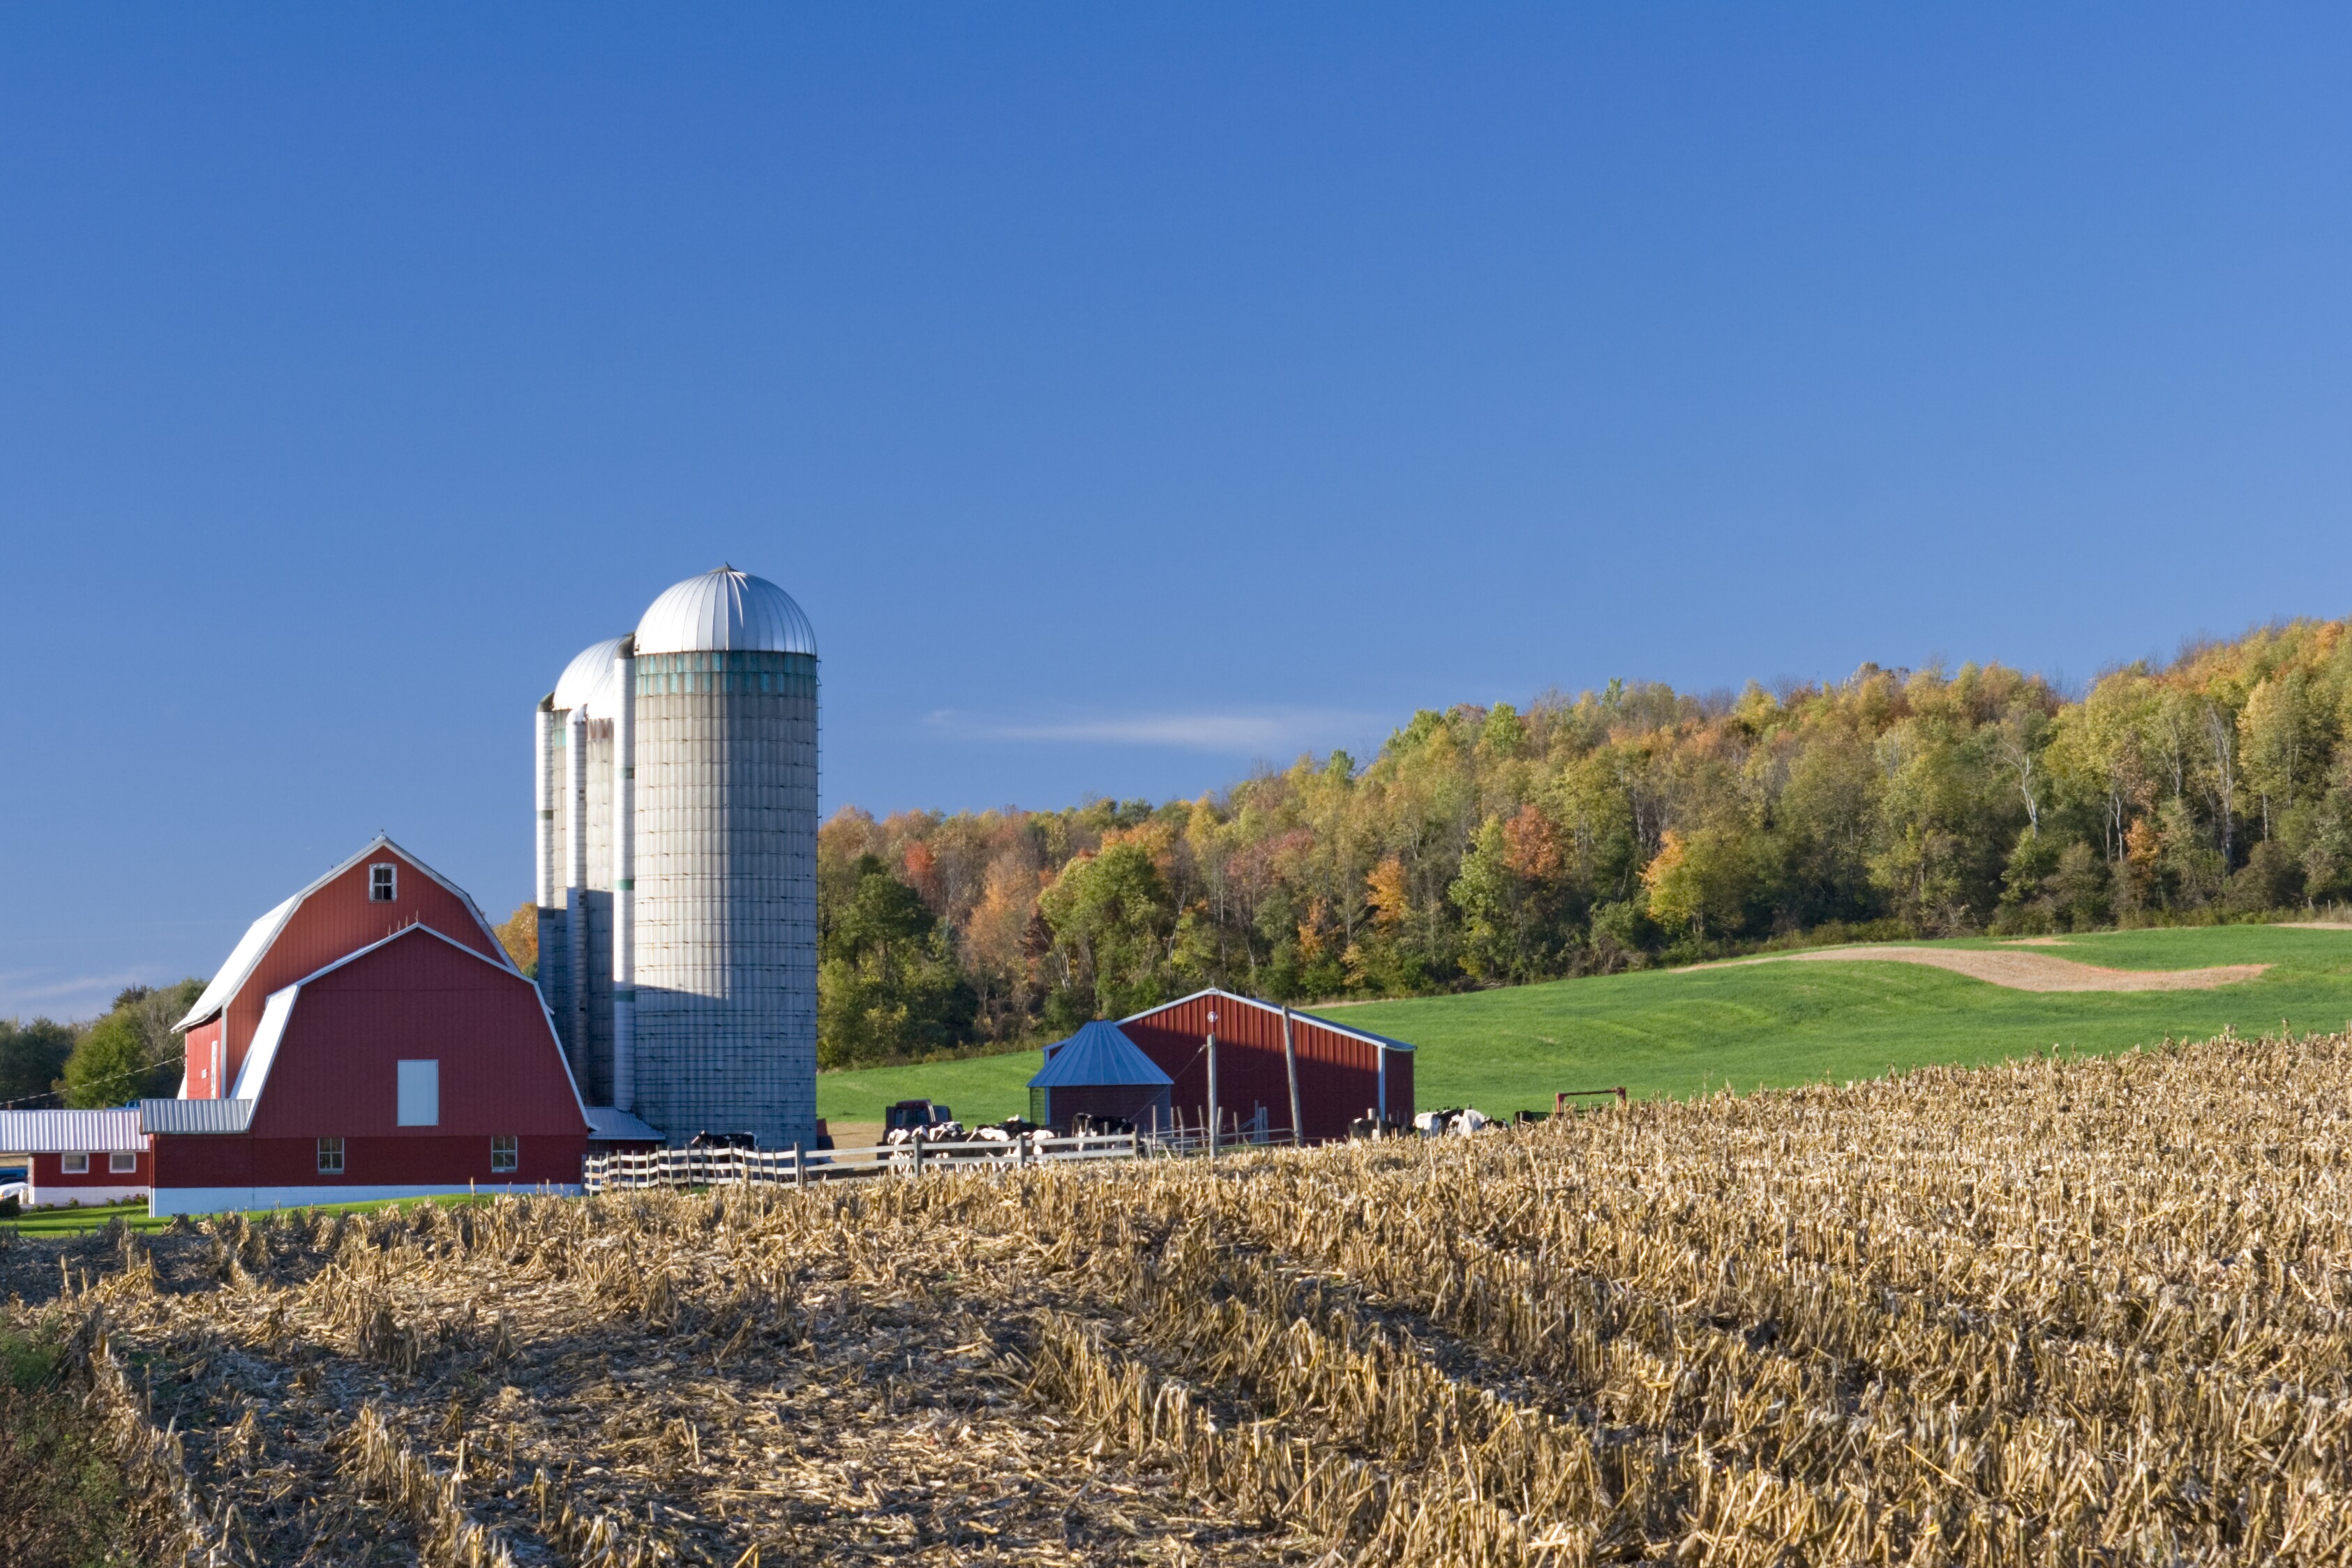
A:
[2020,971]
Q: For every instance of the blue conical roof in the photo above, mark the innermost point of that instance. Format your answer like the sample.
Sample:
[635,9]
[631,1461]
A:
[1098,1053]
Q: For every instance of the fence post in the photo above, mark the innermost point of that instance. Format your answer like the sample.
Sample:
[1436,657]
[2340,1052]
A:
[799,1167]
[918,1153]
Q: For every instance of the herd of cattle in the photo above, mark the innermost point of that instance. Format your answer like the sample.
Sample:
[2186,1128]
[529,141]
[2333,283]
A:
[1012,1130]
[1459,1121]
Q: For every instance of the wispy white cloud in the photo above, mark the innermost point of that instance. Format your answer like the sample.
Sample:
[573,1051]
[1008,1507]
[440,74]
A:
[26,992]
[1252,733]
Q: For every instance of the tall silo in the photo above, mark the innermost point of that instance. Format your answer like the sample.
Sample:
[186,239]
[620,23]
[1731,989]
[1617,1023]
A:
[576,854]
[723,903]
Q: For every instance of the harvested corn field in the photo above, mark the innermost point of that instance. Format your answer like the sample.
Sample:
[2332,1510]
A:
[2065,1312]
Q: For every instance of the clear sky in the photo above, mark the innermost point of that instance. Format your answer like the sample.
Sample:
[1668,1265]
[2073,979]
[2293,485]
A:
[1129,393]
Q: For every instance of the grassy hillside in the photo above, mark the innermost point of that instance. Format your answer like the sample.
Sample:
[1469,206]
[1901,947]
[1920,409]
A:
[1675,1032]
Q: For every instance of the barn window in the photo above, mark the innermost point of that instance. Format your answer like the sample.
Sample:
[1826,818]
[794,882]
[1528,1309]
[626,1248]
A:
[331,1156]
[505,1153]
[383,883]
[420,1093]
[119,1163]
[75,1165]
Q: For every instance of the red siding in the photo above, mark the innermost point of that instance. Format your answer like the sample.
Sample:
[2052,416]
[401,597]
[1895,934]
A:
[337,919]
[501,1071]
[416,1157]
[204,1051]
[50,1170]
[1339,1074]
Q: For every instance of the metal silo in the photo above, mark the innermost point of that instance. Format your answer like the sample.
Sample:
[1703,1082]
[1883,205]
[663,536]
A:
[723,898]
[577,841]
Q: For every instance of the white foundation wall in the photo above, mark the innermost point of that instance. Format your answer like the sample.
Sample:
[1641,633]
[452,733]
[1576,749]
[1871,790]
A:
[55,1197]
[172,1200]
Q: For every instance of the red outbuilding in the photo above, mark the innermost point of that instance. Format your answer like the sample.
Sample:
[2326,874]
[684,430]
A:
[1343,1072]
[404,1062]
[79,1156]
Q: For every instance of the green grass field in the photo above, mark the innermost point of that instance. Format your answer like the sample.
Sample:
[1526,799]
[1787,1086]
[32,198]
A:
[35,1223]
[1678,1031]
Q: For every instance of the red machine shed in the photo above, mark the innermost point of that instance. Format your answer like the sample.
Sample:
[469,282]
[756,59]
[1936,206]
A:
[1343,1072]
[417,1064]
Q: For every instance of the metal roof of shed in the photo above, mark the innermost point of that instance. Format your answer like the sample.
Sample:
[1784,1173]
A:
[1318,1020]
[609,1125]
[196,1116]
[71,1132]
[1098,1053]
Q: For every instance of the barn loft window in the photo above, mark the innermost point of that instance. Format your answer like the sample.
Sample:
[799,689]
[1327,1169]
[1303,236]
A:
[75,1165]
[331,1156]
[119,1163]
[505,1153]
[420,1094]
[383,883]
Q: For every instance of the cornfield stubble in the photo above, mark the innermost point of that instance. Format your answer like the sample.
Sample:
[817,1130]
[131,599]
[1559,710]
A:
[2062,1312]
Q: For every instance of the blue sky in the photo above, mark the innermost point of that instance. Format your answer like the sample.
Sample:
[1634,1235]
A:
[1130,394]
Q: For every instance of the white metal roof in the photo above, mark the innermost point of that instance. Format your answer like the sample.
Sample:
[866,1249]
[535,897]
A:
[263,1048]
[241,959]
[587,680]
[71,1132]
[1318,1020]
[264,931]
[727,610]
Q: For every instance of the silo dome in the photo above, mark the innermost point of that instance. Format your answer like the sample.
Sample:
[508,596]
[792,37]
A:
[587,679]
[725,610]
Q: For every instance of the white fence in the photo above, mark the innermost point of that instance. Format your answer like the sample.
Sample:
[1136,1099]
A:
[800,1168]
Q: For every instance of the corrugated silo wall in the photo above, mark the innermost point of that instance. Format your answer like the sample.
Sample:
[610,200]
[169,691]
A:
[554,942]
[726,894]
[592,1061]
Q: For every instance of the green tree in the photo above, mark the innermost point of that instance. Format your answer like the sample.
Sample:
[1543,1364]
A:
[1113,924]
[32,1057]
[132,1053]
[110,1064]
[1701,880]
[889,987]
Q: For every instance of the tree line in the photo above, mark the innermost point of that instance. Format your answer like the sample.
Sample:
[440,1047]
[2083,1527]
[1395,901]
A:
[1619,829]
[128,1054]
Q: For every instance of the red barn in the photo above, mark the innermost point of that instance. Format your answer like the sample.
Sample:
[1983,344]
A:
[377,891]
[79,1156]
[1343,1072]
[406,1060]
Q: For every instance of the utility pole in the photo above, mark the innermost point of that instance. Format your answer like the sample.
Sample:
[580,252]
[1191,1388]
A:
[1212,1083]
[1290,1062]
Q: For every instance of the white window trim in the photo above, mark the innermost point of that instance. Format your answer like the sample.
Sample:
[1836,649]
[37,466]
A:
[514,1153]
[394,882]
[66,1164]
[117,1162]
[337,1168]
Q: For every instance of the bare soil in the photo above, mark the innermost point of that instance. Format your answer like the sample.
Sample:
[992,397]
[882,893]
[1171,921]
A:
[2020,971]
